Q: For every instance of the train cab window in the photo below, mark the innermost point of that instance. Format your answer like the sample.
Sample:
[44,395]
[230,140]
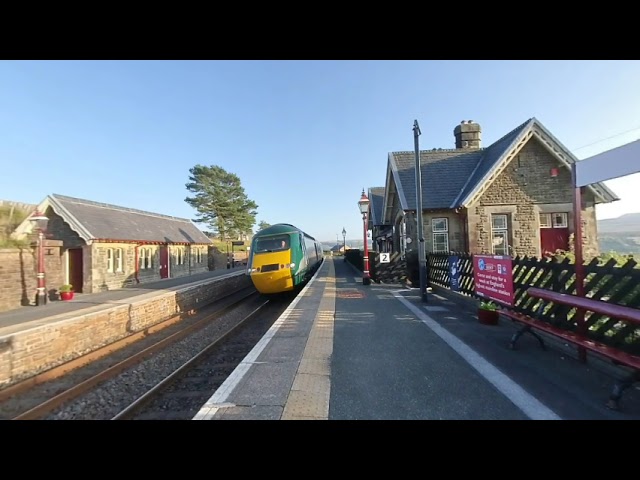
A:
[281,243]
[272,244]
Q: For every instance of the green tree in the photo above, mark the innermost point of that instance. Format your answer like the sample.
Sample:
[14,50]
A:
[262,225]
[220,201]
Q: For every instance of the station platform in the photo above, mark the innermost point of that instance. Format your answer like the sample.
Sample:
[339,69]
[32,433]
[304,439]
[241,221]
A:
[55,311]
[348,351]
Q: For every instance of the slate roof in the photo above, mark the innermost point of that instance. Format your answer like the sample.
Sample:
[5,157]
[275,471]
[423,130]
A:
[450,176]
[443,174]
[376,196]
[101,221]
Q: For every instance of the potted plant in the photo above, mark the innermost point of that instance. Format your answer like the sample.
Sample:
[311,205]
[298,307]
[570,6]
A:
[488,313]
[66,292]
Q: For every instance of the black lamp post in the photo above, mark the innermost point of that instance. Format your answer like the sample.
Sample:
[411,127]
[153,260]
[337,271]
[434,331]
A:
[363,204]
[40,222]
[344,241]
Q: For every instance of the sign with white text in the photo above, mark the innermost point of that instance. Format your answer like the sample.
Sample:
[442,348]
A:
[493,277]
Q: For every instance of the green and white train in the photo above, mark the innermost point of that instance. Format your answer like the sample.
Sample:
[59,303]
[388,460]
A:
[283,258]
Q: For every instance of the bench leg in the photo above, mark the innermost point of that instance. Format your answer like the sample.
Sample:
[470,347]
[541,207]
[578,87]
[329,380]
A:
[620,386]
[522,331]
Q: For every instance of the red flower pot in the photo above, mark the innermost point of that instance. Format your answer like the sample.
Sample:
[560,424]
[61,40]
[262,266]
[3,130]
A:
[488,317]
[66,295]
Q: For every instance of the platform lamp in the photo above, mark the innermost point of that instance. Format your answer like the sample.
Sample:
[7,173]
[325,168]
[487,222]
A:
[40,221]
[363,204]
[344,241]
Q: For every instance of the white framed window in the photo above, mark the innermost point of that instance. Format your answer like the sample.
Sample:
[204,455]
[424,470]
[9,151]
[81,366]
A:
[148,258]
[142,255]
[499,221]
[179,256]
[499,234]
[545,220]
[119,260]
[553,220]
[440,242]
[559,220]
[440,235]
[110,264]
[440,225]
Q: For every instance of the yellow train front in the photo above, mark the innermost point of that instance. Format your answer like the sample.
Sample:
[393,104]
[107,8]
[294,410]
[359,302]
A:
[282,258]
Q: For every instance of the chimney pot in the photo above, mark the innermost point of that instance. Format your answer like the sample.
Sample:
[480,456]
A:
[467,135]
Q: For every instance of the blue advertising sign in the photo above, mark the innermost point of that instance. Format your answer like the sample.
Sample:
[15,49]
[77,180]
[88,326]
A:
[454,272]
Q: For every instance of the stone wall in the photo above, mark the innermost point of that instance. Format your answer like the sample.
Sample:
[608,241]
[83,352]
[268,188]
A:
[101,279]
[18,270]
[455,230]
[60,230]
[522,191]
[26,353]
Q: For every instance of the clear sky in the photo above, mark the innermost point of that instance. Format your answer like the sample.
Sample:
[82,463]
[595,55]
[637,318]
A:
[304,137]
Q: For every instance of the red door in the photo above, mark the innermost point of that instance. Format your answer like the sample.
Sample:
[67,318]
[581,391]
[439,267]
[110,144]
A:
[75,269]
[552,239]
[164,261]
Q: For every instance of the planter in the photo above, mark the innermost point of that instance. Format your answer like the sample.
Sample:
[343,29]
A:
[66,295]
[488,317]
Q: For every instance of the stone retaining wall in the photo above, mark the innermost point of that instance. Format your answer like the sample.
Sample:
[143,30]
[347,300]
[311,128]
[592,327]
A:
[26,353]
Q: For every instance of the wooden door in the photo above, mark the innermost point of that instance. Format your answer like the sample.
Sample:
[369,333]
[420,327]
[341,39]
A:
[164,261]
[75,269]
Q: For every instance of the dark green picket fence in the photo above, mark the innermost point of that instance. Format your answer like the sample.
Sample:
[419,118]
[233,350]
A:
[615,279]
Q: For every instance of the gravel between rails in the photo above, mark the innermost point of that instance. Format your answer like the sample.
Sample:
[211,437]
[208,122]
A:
[110,398]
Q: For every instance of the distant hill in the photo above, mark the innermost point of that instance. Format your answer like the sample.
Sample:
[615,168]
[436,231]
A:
[629,222]
[621,234]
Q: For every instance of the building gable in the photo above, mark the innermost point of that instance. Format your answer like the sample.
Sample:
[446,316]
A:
[453,178]
[501,153]
[376,196]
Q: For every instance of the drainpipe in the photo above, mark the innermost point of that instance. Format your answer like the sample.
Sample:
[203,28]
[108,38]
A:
[465,222]
[137,268]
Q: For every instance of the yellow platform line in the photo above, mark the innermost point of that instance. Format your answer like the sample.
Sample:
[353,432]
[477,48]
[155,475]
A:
[309,395]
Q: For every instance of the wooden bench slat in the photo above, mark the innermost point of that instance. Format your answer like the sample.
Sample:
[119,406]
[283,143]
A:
[612,310]
[577,339]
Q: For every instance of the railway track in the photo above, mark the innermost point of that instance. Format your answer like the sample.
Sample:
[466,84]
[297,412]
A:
[180,395]
[49,394]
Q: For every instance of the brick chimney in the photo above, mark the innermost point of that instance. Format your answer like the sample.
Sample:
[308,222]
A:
[467,135]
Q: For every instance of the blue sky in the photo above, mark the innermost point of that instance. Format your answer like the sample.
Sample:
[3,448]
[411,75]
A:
[304,137]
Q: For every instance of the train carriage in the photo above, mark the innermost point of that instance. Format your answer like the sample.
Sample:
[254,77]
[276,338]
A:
[283,258]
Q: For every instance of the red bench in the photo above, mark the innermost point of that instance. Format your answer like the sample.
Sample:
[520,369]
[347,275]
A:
[579,336]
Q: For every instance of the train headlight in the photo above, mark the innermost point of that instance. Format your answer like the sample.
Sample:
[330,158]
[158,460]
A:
[290,265]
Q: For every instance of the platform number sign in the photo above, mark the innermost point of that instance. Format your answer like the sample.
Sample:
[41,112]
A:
[385,257]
